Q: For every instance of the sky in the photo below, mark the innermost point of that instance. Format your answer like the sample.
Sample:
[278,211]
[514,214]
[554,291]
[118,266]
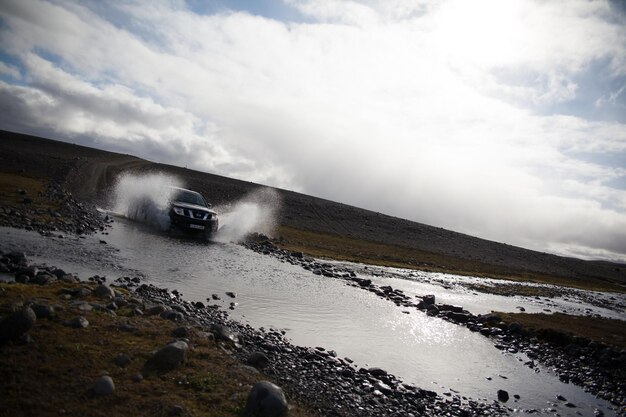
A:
[500,119]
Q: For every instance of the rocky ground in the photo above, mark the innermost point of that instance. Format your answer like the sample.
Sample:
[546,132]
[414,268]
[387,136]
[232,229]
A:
[312,378]
[599,368]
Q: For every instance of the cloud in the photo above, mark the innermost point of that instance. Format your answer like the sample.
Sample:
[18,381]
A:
[433,111]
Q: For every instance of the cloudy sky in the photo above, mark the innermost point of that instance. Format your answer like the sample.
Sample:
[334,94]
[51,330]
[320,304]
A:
[501,119]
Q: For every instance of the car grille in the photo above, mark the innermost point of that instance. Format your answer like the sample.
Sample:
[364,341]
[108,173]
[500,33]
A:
[197,214]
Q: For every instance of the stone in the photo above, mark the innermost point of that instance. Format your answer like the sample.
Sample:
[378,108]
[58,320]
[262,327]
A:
[266,400]
[428,300]
[154,310]
[43,311]
[181,331]
[78,322]
[224,333]
[258,360]
[231,294]
[121,360]
[503,396]
[16,325]
[169,357]
[104,291]
[104,385]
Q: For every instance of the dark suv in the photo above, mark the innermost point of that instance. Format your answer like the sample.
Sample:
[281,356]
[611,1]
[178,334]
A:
[189,212]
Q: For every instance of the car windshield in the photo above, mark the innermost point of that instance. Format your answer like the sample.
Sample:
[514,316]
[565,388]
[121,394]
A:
[190,197]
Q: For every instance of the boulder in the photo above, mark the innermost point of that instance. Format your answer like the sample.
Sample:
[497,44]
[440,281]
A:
[266,400]
[224,333]
[258,360]
[121,360]
[103,291]
[503,395]
[169,357]
[78,322]
[16,325]
[428,300]
[104,385]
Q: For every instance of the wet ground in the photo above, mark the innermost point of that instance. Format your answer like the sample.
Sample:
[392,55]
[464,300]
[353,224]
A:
[318,311]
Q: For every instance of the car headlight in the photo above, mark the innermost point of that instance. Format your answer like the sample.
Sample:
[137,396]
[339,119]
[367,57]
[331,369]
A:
[179,210]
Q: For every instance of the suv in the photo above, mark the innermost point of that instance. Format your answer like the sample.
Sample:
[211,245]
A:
[189,212]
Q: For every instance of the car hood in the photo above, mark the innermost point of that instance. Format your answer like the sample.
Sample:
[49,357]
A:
[192,206]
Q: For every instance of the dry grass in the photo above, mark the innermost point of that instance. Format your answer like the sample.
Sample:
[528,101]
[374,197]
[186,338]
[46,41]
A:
[608,331]
[331,246]
[54,375]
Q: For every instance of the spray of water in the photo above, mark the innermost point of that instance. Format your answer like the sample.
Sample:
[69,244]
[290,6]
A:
[257,212]
[144,198]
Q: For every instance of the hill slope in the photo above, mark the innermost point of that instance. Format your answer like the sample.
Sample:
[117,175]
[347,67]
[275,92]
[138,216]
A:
[91,173]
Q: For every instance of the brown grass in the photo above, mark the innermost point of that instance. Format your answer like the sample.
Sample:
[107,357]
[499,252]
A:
[55,374]
[603,330]
[343,248]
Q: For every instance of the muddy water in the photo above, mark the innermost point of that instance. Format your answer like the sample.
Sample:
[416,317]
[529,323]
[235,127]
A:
[315,311]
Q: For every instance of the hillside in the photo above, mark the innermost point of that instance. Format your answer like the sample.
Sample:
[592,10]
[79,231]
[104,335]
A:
[310,224]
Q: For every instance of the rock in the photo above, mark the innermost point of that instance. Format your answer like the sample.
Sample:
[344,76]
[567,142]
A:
[503,395]
[103,291]
[43,311]
[121,360]
[428,300]
[78,322]
[16,325]
[258,360]
[181,331]
[104,385]
[266,400]
[44,278]
[377,372]
[157,309]
[231,294]
[137,378]
[224,333]
[169,357]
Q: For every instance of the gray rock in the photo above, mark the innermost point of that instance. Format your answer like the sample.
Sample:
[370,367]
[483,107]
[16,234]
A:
[103,291]
[266,400]
[154,310]
[121,360]
[104,385]
[224,333]
[258,360]
[43,311]
[181,331]
[78,322]
[503,395]
[17,324]
[44,278]
[169,357]
[428,300]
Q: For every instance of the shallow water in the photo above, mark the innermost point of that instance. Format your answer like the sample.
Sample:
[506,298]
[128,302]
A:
[319,311]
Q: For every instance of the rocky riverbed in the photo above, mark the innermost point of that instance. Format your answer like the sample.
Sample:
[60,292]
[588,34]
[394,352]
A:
[313,376]
[599,368]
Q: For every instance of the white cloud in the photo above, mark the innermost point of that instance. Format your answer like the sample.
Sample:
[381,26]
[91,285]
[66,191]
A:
[426,110]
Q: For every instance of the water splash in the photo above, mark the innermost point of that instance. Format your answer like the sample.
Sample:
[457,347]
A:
[256,212]
[145,198]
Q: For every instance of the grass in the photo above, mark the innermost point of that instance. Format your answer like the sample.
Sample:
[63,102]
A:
[39,207]
[343,248]
[602,330]
[54,375]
